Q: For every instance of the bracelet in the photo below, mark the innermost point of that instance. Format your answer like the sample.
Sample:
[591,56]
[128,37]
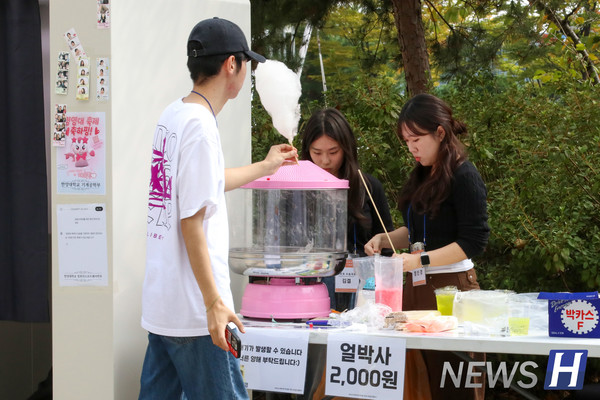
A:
[213,303]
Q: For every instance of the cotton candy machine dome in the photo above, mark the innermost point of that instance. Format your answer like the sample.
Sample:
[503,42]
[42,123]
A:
[298,224]
[294,234]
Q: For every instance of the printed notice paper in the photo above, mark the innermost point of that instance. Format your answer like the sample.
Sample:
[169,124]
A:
[273,361]
[82,258]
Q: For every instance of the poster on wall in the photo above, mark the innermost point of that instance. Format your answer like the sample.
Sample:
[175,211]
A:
[82,248]
[81,164]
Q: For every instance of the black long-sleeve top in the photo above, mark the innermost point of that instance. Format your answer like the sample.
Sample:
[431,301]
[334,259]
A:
[363,235]
[462,217]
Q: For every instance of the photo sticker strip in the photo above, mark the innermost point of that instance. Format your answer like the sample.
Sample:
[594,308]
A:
[83,78]
[74,44]
[60,125]
[102,79]
[62,76]
[103,14]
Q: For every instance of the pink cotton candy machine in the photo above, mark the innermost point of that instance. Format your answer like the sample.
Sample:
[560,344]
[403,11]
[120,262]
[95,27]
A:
[294,234]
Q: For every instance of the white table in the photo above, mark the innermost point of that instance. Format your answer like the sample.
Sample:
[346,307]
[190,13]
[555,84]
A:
[455,341]
[538,343]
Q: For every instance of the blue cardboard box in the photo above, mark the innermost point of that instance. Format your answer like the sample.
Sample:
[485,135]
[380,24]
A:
[573,314]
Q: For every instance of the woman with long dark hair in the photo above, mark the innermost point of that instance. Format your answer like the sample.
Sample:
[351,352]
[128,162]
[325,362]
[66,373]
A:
[328,141]
[444,208]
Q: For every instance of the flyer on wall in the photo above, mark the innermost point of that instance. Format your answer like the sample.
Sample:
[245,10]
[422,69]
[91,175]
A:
[80,164]
[82,247]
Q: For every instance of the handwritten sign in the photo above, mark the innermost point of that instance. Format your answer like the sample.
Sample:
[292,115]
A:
[274,362]
[364,366]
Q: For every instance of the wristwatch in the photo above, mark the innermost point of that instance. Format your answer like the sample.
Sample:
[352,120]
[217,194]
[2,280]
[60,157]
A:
[424,259]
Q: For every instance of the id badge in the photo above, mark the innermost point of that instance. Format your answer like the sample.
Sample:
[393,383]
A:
[418,276]
[347,280]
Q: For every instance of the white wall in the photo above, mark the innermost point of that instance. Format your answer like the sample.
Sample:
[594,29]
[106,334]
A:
[98,343]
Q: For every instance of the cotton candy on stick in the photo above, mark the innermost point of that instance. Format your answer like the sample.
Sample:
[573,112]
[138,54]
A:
[279,90]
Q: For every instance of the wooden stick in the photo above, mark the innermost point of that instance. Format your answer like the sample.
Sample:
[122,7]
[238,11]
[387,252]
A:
[377,211]
[297,163]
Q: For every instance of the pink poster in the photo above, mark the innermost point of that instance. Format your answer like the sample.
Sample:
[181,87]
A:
[81,164]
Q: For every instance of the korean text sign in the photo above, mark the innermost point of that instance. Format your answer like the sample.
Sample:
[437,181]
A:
[80,165]
[365,366]
[273,361]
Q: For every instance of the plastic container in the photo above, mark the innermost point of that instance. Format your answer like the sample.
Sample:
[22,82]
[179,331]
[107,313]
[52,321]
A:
[295,225]
[389,281]
[364,268]
[484,312]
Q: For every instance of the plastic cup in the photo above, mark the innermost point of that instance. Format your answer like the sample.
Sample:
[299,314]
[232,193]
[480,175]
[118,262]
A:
[364,268]
[518,326]
[518,319]
[388,282]
[444,298]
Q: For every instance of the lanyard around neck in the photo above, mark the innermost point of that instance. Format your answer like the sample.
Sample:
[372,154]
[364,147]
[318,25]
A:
[208,102]
[408,215]
[355,238]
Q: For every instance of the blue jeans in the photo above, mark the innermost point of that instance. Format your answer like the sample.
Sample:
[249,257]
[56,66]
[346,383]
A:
[190,365]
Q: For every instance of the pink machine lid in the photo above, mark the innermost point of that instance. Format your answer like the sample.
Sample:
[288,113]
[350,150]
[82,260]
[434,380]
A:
[304,175]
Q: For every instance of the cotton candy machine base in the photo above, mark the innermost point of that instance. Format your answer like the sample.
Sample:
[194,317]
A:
[285,298]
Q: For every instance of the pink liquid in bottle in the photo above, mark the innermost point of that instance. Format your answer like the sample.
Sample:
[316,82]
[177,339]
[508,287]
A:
[391,297]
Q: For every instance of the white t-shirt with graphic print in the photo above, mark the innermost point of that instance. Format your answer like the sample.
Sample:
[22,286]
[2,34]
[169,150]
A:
[187,174]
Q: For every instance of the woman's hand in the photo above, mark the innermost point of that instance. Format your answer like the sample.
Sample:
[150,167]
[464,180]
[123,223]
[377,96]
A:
[278,154]
[374,245]
[410,262]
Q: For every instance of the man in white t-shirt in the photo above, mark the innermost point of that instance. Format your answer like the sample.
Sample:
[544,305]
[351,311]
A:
[187,300]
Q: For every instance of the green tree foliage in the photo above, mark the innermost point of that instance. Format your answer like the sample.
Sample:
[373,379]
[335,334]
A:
[538,150]
[548,40]
[533,118]
[516,73]
[278,26]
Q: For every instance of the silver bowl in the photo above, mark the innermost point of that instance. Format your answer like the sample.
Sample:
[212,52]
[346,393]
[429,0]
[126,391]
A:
[287,261]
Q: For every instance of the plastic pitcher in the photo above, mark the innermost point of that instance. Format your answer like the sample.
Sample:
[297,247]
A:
[388,282]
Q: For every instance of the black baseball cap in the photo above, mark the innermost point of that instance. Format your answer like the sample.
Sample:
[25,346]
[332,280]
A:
[216,36]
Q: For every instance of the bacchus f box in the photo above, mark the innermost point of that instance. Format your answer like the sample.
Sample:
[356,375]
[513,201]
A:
[573,314]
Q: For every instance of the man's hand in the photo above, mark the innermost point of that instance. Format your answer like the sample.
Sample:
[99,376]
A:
[278,154]
[218,316]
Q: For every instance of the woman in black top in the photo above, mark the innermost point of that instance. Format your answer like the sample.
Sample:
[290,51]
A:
[444,201]
[328,141]
[445,214]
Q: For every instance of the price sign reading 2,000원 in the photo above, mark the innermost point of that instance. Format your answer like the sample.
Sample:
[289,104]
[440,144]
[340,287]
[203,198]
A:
[365,367]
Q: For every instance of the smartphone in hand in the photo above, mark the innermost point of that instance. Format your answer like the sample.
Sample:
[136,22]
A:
[233,340]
